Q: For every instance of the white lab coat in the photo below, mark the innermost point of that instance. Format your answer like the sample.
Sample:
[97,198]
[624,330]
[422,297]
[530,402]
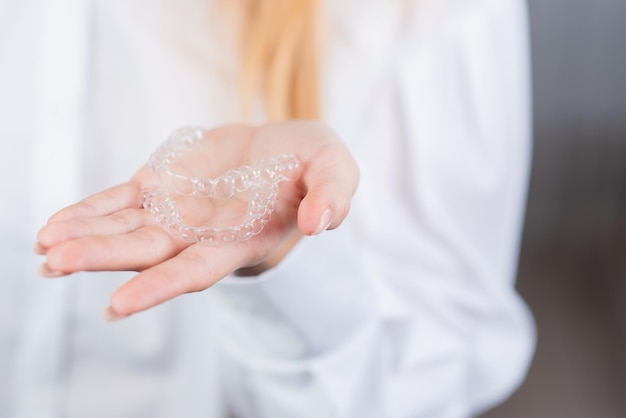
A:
[408,310]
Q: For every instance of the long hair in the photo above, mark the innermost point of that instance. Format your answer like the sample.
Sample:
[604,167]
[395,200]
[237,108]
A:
[279,58]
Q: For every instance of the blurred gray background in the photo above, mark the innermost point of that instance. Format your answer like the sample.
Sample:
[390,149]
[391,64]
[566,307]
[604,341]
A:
[573,261]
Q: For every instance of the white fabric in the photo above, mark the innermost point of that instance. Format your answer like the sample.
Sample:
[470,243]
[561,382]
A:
[408,310]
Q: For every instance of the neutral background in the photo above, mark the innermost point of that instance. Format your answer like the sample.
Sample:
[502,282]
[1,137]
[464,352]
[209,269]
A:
[573,262]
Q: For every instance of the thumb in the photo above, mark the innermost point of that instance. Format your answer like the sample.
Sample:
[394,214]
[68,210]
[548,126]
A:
[330,188]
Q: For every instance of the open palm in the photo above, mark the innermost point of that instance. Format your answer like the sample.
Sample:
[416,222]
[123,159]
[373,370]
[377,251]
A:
[111,231]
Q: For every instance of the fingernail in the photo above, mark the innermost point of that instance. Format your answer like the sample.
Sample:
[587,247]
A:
[39,249]
[110,315]
[45,271]
[327,218]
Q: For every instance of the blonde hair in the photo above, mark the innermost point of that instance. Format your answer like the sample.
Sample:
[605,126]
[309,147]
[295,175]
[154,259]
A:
[280,58]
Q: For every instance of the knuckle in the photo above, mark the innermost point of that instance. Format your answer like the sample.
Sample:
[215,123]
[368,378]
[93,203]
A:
[201,274]
[123,220]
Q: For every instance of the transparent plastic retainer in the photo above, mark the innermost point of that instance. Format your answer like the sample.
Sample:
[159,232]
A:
[260,180]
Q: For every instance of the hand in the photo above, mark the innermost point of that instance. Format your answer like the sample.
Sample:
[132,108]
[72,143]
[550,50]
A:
[111,231]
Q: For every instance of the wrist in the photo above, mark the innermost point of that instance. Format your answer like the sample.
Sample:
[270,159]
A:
[273,259]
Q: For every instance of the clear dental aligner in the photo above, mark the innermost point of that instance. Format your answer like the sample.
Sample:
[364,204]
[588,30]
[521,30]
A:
[160,204]
[260,179]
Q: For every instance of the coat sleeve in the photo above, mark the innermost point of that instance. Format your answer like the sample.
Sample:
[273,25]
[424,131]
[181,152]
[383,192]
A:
[417,315]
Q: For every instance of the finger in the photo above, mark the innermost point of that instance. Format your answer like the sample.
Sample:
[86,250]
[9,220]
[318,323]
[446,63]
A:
[136,251]
[331,181]
[122,222]
[195,269]
[324,207]
[39,249]
[126,195]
